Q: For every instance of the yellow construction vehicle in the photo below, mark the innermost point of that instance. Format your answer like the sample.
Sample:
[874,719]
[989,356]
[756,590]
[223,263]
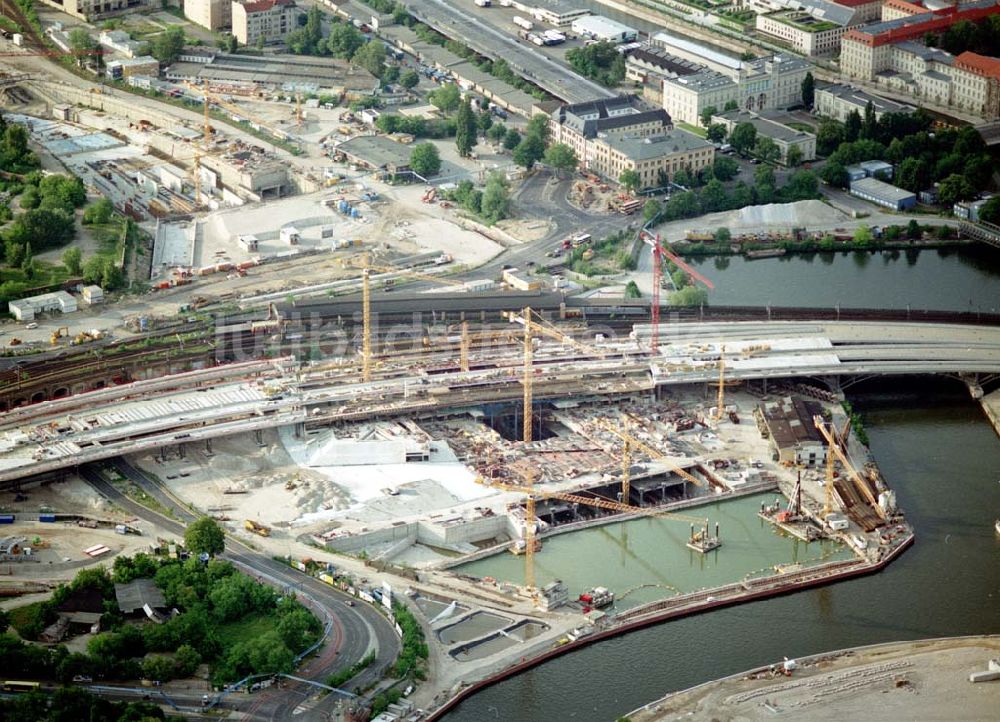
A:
[254,528]
[58,334]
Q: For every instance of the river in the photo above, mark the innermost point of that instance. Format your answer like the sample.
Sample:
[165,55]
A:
[937,450]
[965,278]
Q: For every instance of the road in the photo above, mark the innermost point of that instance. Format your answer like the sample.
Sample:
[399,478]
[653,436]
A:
[534,66]
[356,630]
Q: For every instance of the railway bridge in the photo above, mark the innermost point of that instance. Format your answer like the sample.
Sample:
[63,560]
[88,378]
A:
[198,406]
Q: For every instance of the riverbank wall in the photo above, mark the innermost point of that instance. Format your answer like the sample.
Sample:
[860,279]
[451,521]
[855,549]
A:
[991,406]
[691,604]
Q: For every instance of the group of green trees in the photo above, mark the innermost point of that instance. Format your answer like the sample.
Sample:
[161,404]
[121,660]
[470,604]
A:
[73,703]
[982,36]
[210,596]
[713,196]
[599,61]
[957,159]
[492,203]
[531,148]
[344,41]
[47,220]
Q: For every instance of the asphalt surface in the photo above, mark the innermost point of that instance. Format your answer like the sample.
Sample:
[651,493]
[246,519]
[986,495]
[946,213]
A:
[356,630]
[536,67]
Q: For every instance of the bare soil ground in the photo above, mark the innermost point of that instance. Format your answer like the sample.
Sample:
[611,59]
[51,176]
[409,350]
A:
[906,681]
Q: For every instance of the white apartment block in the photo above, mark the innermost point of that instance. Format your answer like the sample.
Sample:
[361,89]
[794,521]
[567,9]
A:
[803,33]
[761,84]
[264,21]
[210,14]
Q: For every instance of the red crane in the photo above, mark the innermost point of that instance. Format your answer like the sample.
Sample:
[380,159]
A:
[660,250]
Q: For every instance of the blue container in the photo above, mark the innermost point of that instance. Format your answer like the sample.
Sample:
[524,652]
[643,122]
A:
[6,518]
[143,323]
[47,517]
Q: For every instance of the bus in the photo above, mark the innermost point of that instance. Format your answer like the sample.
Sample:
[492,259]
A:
[14,686]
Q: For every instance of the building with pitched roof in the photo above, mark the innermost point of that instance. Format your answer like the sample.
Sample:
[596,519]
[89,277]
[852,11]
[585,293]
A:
[837,101]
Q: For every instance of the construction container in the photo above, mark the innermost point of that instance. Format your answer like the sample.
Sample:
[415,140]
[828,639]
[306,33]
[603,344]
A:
[326,232]
[48,518]
[6,518]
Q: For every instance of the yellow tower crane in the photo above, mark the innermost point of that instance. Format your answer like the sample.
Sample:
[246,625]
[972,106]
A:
[631,444]
[532,326]
[834,446]
[367,360]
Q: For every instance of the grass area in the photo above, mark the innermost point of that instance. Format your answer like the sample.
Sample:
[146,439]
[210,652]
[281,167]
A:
[139,496]
[805,127]
[22,616]
[233,633]
[700,132]
[9,25]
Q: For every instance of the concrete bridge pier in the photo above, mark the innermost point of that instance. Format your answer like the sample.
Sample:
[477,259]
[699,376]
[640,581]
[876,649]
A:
[208,448]
[300,430]
[181,451]
[258,436]
[973,384]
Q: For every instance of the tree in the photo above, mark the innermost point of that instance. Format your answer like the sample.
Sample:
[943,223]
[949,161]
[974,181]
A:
[808,90]
[706,114]
[716,132]
[4,621]
[651,210]
[512,139]
[730,105]
[801,185]
[829,136]
[409,79]
[852,126]
[863,235]
[344,40]
[495,203]
[314,25]
[794,157]
[913,231]
[446,98]
[529,151]
[688,296]
[955,188]
[81,43]
[390,75]
[186,660]
[425,160]
[62,191]
[560,157]
[913,175]
[496,133]
[371,57]
[722,235]
[835,174]
[30,198]
[166,46]
[869,124]
[205,536]
[599,61]
[98,212]
[766,149]
[990,211]
[43,227]
[160,669]
[632,290]
[466,130]
[630,180]
[743,137]
[296,629]
[725,168]
[713,197]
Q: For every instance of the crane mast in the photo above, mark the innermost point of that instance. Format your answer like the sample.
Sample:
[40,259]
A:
[527,379]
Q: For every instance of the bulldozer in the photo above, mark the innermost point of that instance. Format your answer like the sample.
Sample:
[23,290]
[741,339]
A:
[254,528]
[58,334]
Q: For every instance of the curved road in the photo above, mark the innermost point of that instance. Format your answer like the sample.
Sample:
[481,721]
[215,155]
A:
[356,631]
